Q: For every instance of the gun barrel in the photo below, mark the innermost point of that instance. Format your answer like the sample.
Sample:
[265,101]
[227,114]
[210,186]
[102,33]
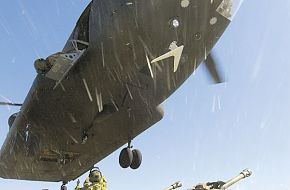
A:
[174,186]
[245,173]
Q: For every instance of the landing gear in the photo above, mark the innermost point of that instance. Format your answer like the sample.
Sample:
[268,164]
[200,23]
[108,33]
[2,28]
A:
[137,159]
[130,158]
[63,186]
[126,157]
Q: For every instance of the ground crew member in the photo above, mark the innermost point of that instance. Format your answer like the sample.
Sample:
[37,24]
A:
[95,181]
[42,66]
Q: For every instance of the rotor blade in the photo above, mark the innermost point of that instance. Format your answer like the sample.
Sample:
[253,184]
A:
[211,66]
[9,104]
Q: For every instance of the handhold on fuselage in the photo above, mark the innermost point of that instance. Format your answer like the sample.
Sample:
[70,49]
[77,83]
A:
[12,119]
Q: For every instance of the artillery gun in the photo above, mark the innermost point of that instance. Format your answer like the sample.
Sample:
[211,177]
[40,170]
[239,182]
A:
[220,185]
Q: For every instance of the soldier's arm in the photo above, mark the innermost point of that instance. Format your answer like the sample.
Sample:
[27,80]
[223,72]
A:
[78,186]
[87,182]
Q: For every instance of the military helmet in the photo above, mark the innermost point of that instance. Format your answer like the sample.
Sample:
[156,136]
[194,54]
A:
[95,175]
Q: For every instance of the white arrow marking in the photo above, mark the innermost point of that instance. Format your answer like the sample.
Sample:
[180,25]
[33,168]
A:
[176,53]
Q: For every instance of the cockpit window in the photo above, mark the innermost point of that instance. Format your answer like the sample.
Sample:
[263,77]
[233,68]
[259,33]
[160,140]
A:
[81,31]
[228,8]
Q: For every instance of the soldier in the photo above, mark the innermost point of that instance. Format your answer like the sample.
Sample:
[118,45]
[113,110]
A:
[95,181]
[42,66]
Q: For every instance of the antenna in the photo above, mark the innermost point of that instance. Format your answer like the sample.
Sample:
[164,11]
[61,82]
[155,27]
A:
[9,104]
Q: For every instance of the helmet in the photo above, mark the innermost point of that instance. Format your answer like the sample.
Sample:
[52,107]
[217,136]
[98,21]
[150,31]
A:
[41,66]
[95,176]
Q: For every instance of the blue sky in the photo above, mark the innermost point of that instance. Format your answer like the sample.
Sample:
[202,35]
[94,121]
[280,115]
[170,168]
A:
[210,132]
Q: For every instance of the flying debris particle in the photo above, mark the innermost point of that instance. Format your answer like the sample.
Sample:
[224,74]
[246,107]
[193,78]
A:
[184,3]
[195,66]
[213,21]
[62,87]
[259,61]
[219,103]
[29,22]
[129,3]
[103,56]
[134,53]
[4,27]
[115,105]
[216,103]
[213,104]
[27,167]
[32,169]
[205,53]
[68,134]
[149,65]
[100,103]
[80,164]
[88,90]
[99,100]
[73,119]
[129,92]
[146,48]
[7,100]
[168,82]
[159,68]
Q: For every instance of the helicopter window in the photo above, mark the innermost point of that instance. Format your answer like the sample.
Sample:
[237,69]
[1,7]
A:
[228,8]
[81,31]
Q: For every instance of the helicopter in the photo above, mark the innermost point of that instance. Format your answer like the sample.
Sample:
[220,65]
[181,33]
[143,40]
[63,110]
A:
[106,86]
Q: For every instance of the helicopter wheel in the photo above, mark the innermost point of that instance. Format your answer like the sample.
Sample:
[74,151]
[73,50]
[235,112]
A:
[63,187]
[137,159]
[126,157]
